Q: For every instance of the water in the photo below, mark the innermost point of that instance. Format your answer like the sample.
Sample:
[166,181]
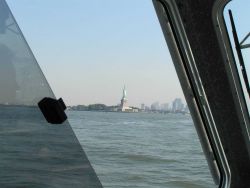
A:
[125,149]
[35,154]
[142,150]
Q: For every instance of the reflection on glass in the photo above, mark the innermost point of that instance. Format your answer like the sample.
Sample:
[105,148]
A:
[34,154]
[21,77]
[8,82]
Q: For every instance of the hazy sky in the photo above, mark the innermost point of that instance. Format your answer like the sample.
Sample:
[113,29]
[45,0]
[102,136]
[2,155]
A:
[240,9]
[89,49]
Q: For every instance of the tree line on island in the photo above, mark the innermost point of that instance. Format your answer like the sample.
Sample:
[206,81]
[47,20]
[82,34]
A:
[96,107]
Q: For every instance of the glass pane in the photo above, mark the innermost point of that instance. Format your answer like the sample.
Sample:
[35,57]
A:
[33,153]
[137,135]
[240,13]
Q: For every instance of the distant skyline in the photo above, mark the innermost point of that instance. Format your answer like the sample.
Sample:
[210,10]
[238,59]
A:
[88,50]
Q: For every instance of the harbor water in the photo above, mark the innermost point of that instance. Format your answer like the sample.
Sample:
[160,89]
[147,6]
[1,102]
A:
[142,149]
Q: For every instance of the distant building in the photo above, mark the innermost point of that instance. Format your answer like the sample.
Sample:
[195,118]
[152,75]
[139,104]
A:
[177,105]
[165,107]
[186,109]
[155,106]
[143,107]
[147,108]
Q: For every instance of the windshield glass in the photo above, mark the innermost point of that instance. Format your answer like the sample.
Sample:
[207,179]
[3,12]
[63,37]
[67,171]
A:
[33,152]
[239,33]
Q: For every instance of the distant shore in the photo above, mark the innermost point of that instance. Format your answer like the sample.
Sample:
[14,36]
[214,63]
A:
[97,107]
[105,108]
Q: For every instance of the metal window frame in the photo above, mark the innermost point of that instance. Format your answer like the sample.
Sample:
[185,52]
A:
[227,52]
[223,162]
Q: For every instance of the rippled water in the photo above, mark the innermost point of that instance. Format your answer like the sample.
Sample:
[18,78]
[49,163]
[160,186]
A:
[142,150]
[35,154]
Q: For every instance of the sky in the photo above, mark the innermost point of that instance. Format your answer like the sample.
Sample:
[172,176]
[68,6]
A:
[88,50]
[241,14]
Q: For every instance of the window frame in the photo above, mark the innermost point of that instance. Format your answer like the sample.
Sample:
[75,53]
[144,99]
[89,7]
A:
[208,123]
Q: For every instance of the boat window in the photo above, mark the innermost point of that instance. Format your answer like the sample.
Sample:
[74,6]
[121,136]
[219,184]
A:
[236,14]
[34,153]
[111,65]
